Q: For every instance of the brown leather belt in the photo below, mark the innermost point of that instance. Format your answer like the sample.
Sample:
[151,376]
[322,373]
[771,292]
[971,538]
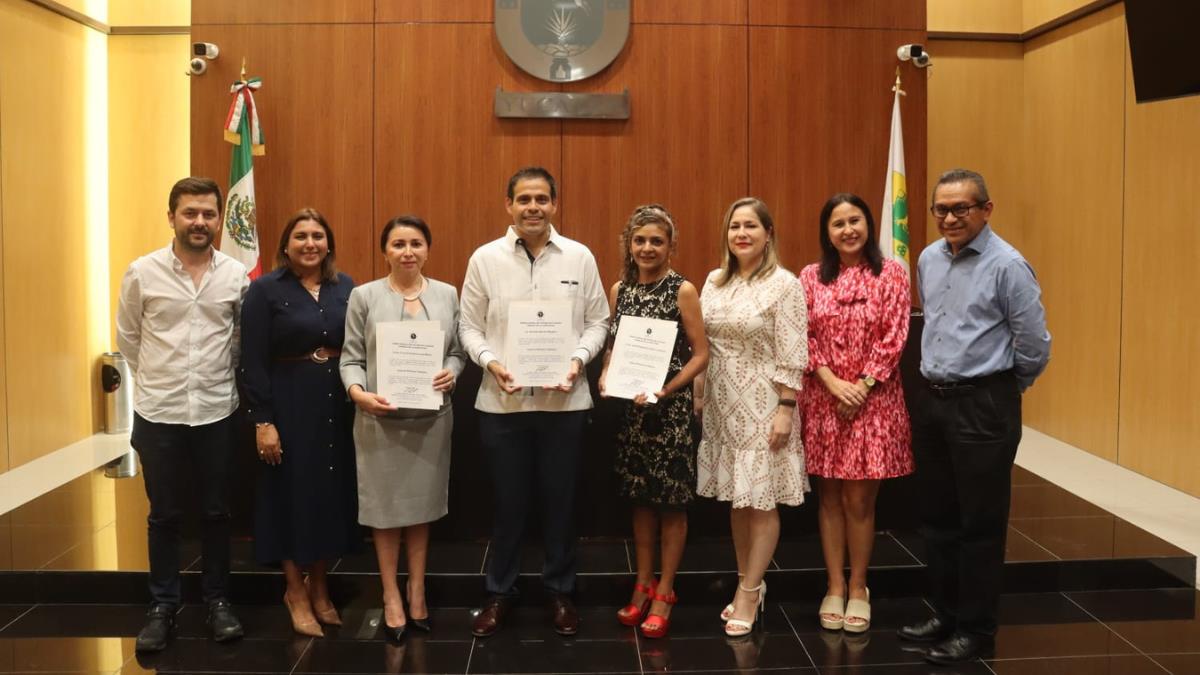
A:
[318,355]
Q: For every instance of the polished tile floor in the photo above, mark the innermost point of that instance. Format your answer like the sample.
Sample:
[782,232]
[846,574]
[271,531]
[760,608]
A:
[1116,632]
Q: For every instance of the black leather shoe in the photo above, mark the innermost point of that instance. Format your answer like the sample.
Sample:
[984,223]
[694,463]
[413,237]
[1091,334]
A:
[563,614]
[959,649]
[224,624]
[931,630]
[424,625]
[154,635]
[490,617]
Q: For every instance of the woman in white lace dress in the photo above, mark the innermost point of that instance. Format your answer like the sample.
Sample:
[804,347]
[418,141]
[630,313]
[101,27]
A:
[751,454]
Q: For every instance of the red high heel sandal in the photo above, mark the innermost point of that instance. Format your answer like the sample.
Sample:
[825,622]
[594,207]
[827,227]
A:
[656,625]
[631,614]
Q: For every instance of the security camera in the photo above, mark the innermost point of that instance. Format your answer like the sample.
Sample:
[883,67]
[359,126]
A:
[205,50]
[914,53]
[197,66]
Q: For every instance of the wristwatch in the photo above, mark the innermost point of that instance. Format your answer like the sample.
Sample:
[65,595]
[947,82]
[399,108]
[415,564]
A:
[868,380]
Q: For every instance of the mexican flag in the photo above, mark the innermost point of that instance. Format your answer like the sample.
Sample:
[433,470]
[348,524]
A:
[893,226]
[240,238]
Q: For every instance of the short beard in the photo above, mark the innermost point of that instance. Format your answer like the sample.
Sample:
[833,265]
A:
[185,242]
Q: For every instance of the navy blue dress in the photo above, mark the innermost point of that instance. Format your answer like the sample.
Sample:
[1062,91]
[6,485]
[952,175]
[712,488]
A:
[306,507]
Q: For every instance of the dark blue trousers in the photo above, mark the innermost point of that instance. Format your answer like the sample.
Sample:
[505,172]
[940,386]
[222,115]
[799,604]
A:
[534,460]
[174,458]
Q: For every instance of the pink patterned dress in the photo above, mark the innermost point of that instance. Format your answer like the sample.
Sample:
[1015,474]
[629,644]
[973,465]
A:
[857,325]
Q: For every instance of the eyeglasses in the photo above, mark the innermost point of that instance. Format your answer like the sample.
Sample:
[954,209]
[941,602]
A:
[959,210]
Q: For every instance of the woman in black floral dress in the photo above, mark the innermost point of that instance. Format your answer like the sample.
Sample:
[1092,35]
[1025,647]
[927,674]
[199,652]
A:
[656,456]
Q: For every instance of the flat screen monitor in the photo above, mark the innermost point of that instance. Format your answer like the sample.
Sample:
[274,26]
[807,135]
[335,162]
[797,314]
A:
[1163,47]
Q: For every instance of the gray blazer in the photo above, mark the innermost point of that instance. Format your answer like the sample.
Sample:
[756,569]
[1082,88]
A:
[375,302]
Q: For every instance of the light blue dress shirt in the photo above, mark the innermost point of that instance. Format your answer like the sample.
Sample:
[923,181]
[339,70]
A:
[983,312]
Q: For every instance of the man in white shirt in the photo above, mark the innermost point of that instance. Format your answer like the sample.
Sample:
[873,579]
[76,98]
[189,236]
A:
[177,326]
[532,437]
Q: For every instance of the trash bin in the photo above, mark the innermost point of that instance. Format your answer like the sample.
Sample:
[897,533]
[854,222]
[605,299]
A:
[117,385]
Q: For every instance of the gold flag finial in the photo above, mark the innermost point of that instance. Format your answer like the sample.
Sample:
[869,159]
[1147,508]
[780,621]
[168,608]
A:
[244,71]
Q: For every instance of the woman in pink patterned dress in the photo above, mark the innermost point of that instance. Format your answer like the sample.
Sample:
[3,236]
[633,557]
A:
[856,429]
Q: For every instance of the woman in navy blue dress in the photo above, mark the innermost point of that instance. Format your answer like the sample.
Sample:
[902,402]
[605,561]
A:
[306,512]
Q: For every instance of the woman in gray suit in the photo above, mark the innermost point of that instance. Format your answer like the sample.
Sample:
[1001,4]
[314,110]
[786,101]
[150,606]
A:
[403,454]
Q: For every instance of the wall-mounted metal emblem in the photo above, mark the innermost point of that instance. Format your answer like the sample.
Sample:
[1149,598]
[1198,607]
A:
[562,40]
[561,105]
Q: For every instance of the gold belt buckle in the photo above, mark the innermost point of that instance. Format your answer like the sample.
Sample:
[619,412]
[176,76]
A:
[318,355]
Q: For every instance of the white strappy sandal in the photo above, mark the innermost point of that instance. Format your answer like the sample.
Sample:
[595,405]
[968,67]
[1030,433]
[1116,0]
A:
[728,611]
[740,627]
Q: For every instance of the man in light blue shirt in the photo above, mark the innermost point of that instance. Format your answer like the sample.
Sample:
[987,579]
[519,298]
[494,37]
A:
[984,343]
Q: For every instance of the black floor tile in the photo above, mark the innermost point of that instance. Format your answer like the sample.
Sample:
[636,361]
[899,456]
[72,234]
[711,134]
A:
[1180,664]
[1130,664]
[532,623]
[805,553]
[766,649]
[874,647]
[1033,609]
[1049,501]
[887,614]
[194,655]
[1027,641]
[709,555]
[1156,622]
[1093,537]
[416,654]
[922,668]
[1022,476]
[241,557]
[507,653]
[1020,548]
[10,612]
[75,655]
[79,621]
[593,556]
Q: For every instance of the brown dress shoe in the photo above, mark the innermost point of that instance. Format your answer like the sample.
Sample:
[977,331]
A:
[490,617]
[564,614]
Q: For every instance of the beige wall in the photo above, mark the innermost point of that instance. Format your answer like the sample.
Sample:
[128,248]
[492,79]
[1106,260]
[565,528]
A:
[1082,175]
[974,16]
[53,165]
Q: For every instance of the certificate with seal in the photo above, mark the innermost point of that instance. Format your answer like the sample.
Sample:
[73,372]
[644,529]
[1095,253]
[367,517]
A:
[539,343]
[407,356]
[641,357]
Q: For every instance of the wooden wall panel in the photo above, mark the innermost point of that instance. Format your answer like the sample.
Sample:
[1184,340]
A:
[481,11]
[684,145]
[433,11]
[1037,12]
[892,14]
[1074,108]
[977,16]
[1160,348]
[979,127]
[206,12]
[439,150]
[820,129]
[316,106]
[692,11]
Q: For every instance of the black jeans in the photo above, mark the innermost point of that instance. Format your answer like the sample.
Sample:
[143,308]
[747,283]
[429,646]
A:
[174,458]
[964,443]
[532,455]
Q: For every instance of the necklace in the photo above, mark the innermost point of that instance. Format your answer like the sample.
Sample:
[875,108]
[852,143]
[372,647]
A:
[396,289]
[650,291]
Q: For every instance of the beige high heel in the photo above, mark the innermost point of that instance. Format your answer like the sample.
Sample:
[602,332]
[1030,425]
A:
[735,627]
[310,628]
